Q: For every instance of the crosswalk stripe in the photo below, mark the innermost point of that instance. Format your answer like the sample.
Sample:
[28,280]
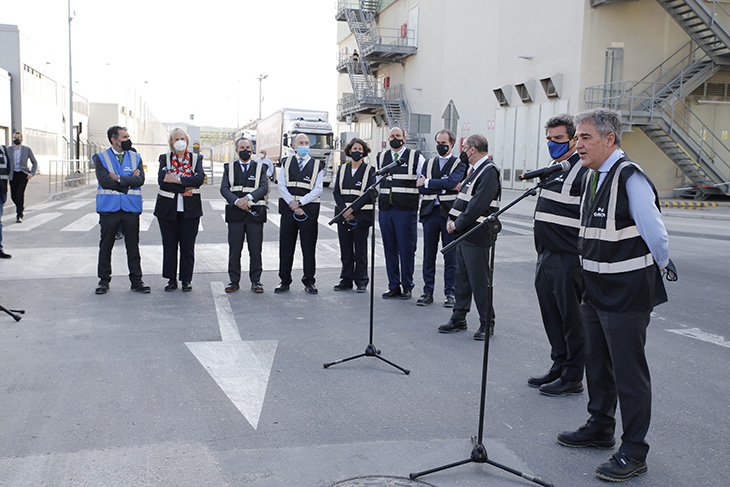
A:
[145,220]
[324,221]
[83,224]
[75,205]
[218,205]
[34,222]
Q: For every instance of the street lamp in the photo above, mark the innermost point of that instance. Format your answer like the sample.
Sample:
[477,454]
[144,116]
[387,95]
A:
[261,77]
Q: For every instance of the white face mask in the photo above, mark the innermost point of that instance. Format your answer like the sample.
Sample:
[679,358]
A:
[180,145]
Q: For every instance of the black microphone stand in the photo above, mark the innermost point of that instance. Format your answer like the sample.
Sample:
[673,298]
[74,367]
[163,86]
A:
[479,452]
[370,350]
[12,312]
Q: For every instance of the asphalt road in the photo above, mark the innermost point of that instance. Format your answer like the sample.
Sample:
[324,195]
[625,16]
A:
[209,389]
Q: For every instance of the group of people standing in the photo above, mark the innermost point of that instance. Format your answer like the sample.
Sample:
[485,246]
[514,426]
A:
[602,247]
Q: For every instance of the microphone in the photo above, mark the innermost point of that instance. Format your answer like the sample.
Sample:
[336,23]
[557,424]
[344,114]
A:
[545,171]
[389,167]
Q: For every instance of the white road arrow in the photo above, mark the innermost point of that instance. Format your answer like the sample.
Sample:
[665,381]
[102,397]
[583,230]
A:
[241,369]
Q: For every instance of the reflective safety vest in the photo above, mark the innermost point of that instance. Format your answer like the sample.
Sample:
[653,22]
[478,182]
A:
[109,200]
[399,189]
[300,182]
[434,171]
[250,184]
[195,191]
[619,272]
[466,193]
[351,192]
[557,211]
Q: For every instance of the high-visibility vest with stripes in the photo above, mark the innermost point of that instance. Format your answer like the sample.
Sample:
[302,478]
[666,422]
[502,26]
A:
[195,192]
[432,170]
[466,193]
[299,182]
[619,273]
[399,190]
[351,187]
[248,185]
[557,211]
[109,200]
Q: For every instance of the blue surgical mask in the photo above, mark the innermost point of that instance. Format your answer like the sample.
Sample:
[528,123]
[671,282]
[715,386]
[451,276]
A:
[557,150]
[303,150]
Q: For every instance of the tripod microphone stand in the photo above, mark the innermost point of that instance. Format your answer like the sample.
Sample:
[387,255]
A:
[12,312]
[370,350]
[479,452]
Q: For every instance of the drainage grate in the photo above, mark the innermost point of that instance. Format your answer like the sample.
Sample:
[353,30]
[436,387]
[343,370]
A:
[380,481]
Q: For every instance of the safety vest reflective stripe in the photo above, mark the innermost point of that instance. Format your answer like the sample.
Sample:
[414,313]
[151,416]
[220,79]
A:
[610,235]
[456,213]
[618,267]
[355,192]
[447,197]
[398,189]
[369,206]
[168,194]
[429,197]
[298,184]
[363,182]
[560,197]
[109,165]
[406,177]
[560,220]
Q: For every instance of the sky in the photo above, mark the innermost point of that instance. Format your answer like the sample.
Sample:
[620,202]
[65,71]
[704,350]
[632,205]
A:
[187,57]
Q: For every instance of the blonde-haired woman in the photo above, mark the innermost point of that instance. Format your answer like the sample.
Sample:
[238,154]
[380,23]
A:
[178,208]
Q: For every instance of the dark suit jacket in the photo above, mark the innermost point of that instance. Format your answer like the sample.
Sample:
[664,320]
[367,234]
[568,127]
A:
[25,154]
[166,208]
[487,189]
[3,175]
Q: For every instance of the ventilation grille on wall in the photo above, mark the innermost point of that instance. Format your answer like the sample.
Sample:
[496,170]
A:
[720,90]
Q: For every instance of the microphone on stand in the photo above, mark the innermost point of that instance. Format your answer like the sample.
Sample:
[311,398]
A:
[545,171]
[389,167]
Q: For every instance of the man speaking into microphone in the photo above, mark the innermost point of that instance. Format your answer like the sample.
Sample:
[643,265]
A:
[558,278]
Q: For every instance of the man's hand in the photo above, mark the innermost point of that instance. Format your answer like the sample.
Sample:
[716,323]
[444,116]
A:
[136,172]
[348,215]
[188,191]
[170,178]
[115,177]
[29,176]
[294,205]
[457,187]
[420,181]
[244,204]
[450,227]
[299,212]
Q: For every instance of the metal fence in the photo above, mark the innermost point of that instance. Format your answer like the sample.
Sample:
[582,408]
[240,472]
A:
[65,174]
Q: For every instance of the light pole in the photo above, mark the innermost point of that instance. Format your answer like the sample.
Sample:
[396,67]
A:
[261,77]
[70,90]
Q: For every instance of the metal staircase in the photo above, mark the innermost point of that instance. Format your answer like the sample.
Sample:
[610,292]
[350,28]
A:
[655,103]
[375,46]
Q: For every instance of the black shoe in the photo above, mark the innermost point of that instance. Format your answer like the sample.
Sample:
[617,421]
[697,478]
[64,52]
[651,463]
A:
[118,236]
[585,437]
[140,287]
[232,287]
[481,333]
[406,294]
[362,289]
[450,301]
[256,287]
[171,285]
[102,288]
[560,387]
[620,468]
[342,286]
[3,255]
[19,219]
[311,289]
[187,286]
[453,326]
[425,300]
[392,293]
[281,288]
[543,379]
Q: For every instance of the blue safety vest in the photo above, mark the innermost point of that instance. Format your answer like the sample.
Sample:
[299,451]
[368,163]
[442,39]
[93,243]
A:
[109,200]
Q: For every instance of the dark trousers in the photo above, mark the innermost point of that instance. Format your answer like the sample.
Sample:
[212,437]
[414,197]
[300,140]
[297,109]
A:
[354,254]
[559,287]
[181,233]
[399,233]
[110,223]
[616,368]
[17,191]
[434,228]
[307,230]
[472,279]
[254,234]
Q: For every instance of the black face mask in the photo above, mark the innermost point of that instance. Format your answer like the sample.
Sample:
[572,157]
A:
[464,158]
[396,144]
[356,155]
[245,154]
[17,141]
[127,144]
[442,149]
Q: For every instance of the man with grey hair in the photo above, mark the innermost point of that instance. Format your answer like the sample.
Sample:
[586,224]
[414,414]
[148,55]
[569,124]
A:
[558,278]
[624,248]
[478,198]
[300,187]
